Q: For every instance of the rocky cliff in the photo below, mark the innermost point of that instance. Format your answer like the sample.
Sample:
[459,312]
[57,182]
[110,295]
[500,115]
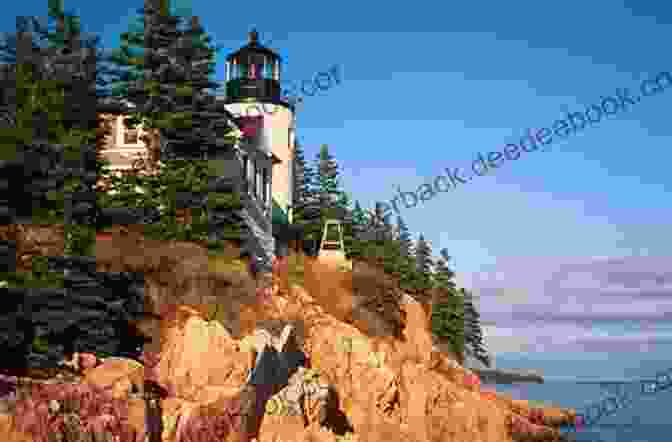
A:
[345,356]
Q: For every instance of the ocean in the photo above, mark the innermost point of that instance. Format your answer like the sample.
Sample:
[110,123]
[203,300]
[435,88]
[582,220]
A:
[647,419]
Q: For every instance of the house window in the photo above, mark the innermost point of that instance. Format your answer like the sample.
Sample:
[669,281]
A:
[128,137]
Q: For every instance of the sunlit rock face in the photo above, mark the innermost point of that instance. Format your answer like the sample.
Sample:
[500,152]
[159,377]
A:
[329,373]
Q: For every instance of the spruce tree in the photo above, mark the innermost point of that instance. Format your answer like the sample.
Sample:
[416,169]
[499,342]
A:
[444,277]
[447,306]
[327,198]
[50,94]
[448,322]
[406,260]
[307,210]
[167,75]
[359,222]
[344,208]
[167,67]
[300,184]
[473,333]
[404,237]
[424,264]
[55,100]
[376,236]
[328,186]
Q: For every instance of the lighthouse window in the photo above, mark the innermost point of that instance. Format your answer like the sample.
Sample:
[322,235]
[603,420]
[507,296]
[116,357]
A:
[268,71]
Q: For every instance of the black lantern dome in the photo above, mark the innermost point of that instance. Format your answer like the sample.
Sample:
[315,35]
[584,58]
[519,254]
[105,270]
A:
[253,73]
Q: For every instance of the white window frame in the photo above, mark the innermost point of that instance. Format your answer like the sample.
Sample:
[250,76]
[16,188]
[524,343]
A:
[121,129]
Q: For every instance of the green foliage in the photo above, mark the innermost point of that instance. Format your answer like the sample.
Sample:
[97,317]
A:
[38,277]
[300,184]
[44,92]
[80,240]
[358,227]
[173,98]
[448,321]
[159,191]
[318,196]
[472,328]
[173,101]
[424,264]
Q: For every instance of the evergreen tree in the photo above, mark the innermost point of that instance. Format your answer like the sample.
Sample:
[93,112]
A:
[50,94]
[376,235]
[448,320]
[447,306]
[424,264]
[404,237]
[308,212]
[344,206]
[473,334]
[379,228]
[325,199]
[53,99]
[359,219]
[300,184]
[167,68]
[359,223]
[443,275]
[328,187]
[166,74]
[406,260]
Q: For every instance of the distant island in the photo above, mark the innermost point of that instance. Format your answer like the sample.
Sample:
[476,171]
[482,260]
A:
[496,376]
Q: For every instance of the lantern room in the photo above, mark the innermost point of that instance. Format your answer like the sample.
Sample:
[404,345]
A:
[253,73]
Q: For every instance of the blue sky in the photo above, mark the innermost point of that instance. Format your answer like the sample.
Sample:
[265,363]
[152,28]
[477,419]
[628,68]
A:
[429,87]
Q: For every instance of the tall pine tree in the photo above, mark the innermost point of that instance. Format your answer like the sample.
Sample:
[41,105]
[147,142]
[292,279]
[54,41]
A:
[326,199]
[328,186]
[405,261]
[302,176]
[54,99]
[473,334]
[447,306]
[404,237]
[167,67]
[424,264]
[359,223]
[444,276]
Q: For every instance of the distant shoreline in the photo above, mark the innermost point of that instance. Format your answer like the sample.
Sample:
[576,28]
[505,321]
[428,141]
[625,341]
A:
[494,376]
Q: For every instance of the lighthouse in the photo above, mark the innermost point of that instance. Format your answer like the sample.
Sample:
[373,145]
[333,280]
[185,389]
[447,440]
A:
[253,97]
[253,75]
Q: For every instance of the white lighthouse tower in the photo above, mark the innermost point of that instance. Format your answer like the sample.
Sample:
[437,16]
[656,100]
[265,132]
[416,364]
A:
[253,90]
[253,96]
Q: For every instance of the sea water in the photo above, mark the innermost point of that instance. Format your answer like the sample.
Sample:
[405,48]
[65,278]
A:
[647,419]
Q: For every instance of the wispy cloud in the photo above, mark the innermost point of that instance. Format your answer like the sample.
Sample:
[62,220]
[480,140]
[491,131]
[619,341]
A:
[601,305]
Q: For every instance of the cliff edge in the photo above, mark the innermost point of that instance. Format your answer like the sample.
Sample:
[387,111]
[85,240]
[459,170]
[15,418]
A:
[345,365]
